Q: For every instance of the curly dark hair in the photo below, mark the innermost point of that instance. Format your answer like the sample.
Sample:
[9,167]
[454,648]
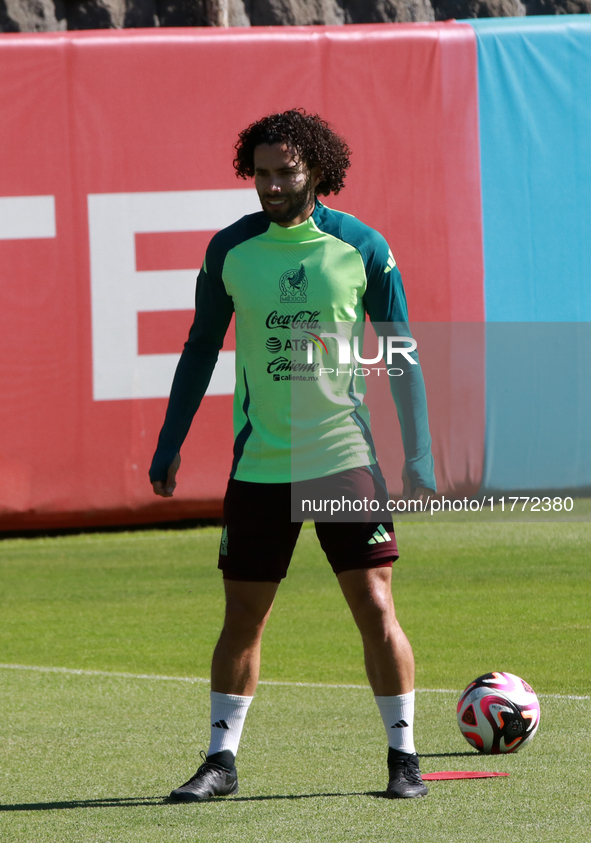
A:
[309,134]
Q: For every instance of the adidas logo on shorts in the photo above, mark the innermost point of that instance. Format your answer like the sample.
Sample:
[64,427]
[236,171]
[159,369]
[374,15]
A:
[380,536]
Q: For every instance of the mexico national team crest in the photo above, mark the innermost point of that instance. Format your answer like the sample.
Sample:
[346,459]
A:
[293,285]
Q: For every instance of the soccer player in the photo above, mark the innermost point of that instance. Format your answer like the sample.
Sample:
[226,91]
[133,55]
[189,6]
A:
[285,272]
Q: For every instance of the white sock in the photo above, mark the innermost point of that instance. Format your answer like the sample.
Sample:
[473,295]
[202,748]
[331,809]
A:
[398,714]
[228,713]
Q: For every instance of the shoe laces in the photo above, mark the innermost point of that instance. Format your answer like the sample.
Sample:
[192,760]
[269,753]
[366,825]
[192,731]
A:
[408,768]
[205,767]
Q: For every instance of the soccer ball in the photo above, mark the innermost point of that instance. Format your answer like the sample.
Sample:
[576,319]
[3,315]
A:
[498,712]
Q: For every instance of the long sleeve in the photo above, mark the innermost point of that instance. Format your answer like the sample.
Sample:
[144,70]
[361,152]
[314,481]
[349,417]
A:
[385,302]
[213,312]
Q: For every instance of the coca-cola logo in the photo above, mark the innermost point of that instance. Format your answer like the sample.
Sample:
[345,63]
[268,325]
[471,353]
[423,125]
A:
[303,319]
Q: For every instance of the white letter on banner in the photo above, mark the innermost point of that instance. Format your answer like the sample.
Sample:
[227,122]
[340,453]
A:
[27,217]
[119,291]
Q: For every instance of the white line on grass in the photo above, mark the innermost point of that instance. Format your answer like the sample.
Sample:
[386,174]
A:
[81,672]
[203,680]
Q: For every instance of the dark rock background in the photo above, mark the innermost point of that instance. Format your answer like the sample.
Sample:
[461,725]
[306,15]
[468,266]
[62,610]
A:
[46,15]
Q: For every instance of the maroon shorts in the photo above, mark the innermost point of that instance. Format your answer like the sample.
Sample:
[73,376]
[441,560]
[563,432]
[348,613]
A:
[259,535]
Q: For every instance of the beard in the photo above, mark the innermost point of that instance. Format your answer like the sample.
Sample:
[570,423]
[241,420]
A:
[299,201]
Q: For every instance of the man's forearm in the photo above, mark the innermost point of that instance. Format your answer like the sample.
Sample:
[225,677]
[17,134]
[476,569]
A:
[190,383]
[410,397]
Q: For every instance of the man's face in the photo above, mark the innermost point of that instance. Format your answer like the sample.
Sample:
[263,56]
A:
[286,187]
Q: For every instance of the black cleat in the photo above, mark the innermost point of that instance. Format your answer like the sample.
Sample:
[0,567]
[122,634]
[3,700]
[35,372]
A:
[210,780]
[405,776]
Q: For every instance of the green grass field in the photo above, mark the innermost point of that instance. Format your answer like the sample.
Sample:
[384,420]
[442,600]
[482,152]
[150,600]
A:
[89,756]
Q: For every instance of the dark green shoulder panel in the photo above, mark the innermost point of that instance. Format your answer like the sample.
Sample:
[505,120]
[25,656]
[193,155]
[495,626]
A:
[372,247]
[228,238]
[384,297]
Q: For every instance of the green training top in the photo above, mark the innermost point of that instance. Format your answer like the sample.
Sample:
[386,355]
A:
[298,405]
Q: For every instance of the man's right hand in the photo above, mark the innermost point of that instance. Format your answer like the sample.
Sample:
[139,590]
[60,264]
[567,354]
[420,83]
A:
[166,489]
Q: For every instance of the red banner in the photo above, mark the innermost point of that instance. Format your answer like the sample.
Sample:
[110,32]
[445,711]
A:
[116,152]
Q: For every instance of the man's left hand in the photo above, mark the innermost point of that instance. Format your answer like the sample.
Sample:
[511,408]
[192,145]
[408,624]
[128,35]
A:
[419,493]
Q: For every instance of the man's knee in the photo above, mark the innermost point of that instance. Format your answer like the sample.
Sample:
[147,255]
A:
[248,606]
[369,595]
[375,611]
[243,617]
